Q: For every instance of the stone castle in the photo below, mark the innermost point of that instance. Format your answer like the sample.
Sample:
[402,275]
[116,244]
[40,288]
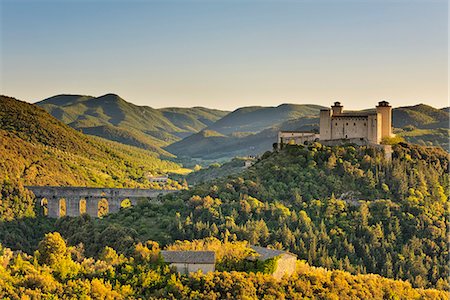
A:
[370,127]
[338,127]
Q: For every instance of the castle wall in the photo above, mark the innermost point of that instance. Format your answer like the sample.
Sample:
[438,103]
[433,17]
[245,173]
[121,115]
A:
[325,124]
[374,133]
[349,127]
[296,138]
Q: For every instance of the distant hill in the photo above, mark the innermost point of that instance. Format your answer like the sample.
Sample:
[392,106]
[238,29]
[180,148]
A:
[423,124]
[420,116]
[255,118]
[253,130]
[246,131]
[112,117]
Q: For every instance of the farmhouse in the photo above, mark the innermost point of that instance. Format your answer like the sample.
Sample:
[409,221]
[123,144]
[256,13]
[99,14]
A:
[186,262]
[285,262]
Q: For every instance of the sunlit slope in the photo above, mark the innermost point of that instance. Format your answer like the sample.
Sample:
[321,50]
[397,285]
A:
[38,149]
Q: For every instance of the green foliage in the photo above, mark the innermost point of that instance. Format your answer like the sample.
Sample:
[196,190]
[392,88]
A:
[52,249]
[216,170]
[15,200]
[120,277]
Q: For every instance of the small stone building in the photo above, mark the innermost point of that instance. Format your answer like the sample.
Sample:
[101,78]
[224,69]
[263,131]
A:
[158,179]
[286,261]
[296,137]
[186,262]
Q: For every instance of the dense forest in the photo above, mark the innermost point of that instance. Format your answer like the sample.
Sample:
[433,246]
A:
[346,208]
[59,271]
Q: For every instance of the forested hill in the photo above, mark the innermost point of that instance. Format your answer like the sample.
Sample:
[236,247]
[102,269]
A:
[113,118]
[336,207]
[37,149]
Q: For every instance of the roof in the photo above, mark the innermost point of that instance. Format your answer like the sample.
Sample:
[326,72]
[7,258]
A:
[296,131]
[194,257]
[266,253]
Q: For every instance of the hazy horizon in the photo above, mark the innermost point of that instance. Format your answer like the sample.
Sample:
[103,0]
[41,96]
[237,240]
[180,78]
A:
[346,107]
[226,55]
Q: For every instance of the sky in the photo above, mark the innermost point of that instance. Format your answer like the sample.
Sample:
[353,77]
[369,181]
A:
[227,54]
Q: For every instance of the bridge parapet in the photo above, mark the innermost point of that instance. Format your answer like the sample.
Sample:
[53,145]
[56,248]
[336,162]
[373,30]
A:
[68,200]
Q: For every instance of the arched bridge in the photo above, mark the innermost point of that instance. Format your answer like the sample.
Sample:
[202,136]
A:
[74,201]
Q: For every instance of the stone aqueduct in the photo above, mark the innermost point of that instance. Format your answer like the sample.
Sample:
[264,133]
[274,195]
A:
[73,197]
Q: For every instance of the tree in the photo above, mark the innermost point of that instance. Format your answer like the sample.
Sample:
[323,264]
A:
[52,249]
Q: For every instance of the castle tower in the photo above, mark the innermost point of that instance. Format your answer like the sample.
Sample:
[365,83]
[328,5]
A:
[385,111]
[325,124]
[337,108]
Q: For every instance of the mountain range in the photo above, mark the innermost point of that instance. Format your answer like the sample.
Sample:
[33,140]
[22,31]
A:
[113,118]
[209,134]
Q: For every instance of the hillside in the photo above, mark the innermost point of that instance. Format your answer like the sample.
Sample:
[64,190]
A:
[336,207]
[240,143]
[423,125]
[420,116]
[213,171]
[37,149]
[112,117]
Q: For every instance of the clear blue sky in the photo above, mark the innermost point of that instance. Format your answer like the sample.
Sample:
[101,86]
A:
[225,54]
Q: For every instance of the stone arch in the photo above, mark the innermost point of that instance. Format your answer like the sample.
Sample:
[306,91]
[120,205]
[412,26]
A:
[83,206]
[44,206]
[102,207]
[62,207]
[125,203]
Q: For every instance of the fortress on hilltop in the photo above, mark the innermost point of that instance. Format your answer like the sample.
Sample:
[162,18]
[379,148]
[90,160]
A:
[361,126]
[337,126]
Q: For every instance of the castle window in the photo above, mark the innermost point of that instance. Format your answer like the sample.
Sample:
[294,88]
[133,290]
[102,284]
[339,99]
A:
[346,124]
[364,124]
[336,124]
[354,124]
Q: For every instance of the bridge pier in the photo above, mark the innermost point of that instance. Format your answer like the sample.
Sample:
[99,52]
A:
[53,207]
[92,206]
[114,205]
[72,207]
